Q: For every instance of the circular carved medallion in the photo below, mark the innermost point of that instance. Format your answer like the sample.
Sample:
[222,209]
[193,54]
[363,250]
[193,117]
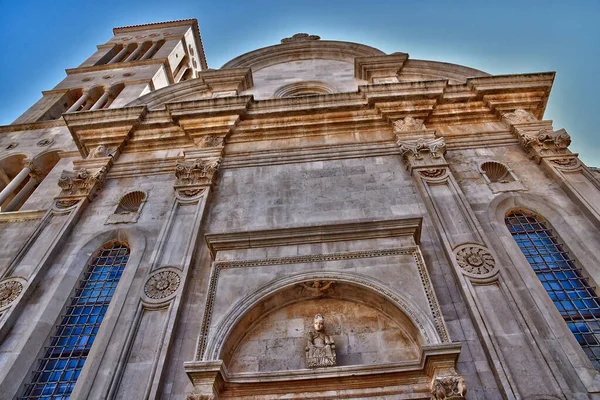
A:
[475,260]
[9,291]
[162,284]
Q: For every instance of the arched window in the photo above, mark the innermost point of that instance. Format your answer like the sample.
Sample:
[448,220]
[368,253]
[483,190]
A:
[56,372]
[571,292]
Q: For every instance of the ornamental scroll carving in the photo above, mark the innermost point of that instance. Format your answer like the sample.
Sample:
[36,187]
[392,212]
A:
[408,124]
[450,387]
[423,152]
[102,151]
[9,291]
[520,116]
[545,142]
[475,260]
[300,37]
[196,172]
[162,284]
[212,141]
[82,182]
[570,163]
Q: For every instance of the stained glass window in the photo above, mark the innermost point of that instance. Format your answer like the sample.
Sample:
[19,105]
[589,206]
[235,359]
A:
[56,373]
[572,294]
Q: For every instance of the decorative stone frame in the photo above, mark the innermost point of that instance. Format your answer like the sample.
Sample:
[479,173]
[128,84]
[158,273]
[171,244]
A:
[523,275]
[128,217]
[514,184]
[304,88]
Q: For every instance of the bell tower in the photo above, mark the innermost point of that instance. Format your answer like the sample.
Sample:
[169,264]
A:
[136,60]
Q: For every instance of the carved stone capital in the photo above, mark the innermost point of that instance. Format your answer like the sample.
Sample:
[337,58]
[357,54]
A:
[82,182]
[448,387]
[194,173]
[545,142]
[423,152]
[35,171]
[520,116]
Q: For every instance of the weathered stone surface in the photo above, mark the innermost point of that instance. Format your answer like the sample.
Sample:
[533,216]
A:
[277,188]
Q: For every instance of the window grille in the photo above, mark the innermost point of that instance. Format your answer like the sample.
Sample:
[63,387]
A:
[57,371]
[572,294]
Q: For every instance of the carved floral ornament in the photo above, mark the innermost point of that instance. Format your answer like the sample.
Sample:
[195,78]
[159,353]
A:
[9,291]
[82,182]
[102,151]
[520,116]
[162,284]
[213,141]
[475,260]
[408,124]
[196,172]
[423,152]
[450,387]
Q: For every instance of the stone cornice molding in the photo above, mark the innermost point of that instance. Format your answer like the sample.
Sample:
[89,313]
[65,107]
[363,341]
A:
[129,64]
[109,127]
[212,377]
[314,234]
[236,119]
[367,68]
[32,126]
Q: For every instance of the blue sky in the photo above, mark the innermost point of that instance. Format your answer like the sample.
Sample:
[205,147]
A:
[42,38]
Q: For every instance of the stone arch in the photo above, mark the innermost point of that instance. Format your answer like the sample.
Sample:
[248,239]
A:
[584,248]
[302,50]
[192,89]
[250,311]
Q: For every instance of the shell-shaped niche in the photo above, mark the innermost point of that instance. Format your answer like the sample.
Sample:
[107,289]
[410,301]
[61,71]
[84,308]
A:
[131,202]
[496,172]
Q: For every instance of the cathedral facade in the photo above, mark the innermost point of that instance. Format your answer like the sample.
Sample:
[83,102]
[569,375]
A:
[313,220]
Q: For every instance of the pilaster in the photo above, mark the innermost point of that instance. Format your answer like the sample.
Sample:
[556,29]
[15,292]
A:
[160,303]
[501,324]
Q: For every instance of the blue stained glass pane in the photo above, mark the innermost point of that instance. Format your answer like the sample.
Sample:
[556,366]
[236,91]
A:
[571,293]
[57,372]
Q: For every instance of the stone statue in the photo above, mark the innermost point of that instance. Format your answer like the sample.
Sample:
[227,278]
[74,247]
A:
[320,349]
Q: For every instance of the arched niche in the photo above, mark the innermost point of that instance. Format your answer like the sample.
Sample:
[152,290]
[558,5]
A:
[367,327]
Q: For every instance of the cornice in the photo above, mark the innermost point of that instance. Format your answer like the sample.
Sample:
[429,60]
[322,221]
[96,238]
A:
[20,216]
[367,68]
[32,126]
[359,230]
[238,119]
[110,127]
[156,25]
[110,67]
